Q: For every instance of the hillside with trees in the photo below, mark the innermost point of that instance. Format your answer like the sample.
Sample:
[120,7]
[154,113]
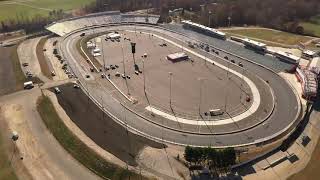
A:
[279,14]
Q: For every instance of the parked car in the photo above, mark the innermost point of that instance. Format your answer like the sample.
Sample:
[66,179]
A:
[25,64]
[57,90]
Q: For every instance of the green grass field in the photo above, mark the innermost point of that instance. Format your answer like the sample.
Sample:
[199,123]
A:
[11,9]
[313,25]
[269,35]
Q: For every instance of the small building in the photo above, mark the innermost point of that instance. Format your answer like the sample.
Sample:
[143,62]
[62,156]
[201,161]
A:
[287,57]
[255,45]
[179,56]
[309,83]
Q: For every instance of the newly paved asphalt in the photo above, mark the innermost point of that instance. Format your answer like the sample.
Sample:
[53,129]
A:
[284,114]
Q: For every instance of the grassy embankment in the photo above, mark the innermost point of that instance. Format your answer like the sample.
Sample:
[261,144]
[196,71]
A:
[270,37]
[77,148]
[42,59]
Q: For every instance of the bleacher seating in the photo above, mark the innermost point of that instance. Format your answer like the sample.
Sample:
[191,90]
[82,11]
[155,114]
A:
[66,26]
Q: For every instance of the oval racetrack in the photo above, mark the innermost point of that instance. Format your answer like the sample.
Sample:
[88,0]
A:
[283,118]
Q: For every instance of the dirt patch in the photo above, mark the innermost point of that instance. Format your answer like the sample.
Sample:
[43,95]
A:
[6,171]
[100,128]
[42,59]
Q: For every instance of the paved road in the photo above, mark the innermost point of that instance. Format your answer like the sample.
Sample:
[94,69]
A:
[43,155]
[284,114]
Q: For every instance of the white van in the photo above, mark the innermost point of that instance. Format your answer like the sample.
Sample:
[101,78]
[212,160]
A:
[28,85]
[216,112]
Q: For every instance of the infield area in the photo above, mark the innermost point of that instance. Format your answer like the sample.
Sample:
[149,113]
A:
[186,88]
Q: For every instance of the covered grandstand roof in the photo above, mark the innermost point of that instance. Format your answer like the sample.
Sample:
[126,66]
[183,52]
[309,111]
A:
[255,43]
[214,31]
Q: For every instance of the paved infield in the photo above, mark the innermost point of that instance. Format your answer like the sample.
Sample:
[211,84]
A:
[217,90]
[284,114]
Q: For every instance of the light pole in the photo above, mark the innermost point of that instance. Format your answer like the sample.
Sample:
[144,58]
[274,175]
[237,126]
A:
[104,63]
[170,77]
[144,78]
[200,93]
[228,70]
[124,68]
[226,99]
[229,21]
[209,23]
[133,50]
[144,88]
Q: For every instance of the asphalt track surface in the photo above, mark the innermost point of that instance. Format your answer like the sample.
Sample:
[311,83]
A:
[284,114]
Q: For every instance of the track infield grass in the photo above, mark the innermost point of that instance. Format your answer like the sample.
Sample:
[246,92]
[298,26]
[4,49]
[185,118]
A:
[269,36]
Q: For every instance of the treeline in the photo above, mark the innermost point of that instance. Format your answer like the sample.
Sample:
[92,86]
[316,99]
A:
[122,5]
[278,14]
[215,160]
[30,25]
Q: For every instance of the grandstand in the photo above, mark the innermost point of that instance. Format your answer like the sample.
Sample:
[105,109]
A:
[205,29]
[309,82]
[64,27]
[255,45]
[288,57]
